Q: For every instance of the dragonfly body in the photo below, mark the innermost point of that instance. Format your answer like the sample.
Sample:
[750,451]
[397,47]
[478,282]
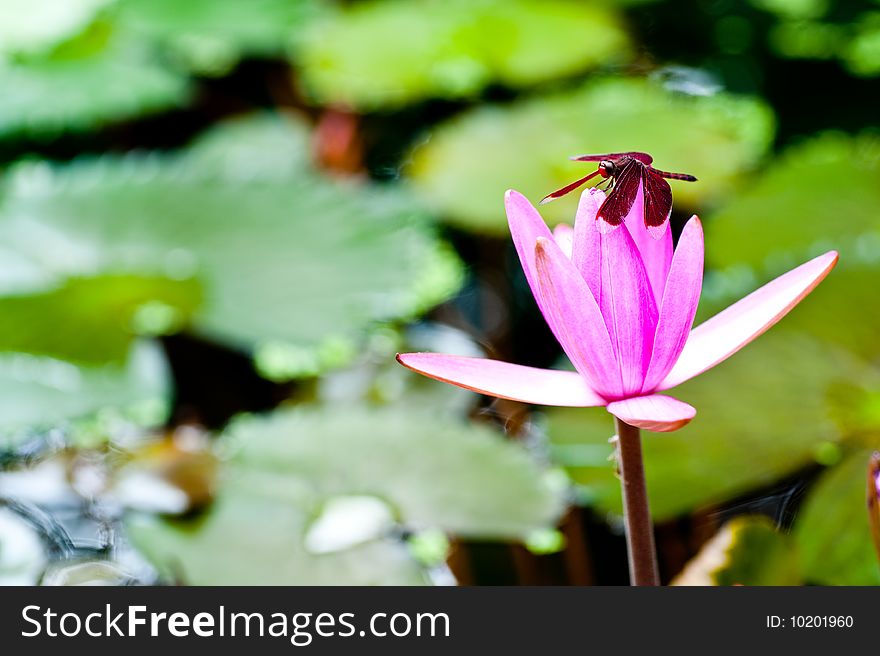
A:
[629,172]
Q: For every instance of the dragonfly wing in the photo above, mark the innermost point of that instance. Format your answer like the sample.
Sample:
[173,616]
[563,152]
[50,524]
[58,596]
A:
[621,199]
[658,202]
[644,158]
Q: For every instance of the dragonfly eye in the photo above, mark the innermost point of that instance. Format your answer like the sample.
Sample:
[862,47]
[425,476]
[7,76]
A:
[606,168]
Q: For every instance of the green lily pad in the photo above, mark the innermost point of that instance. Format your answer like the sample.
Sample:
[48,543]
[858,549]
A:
[96,78]
[100,316]
[435,472]
[286,468]
[748,550]
[832,530]
[289,264]
[818,195]
[39,393]
[761,415]
[255,537]
[468,163]
[376,55]
[210,36]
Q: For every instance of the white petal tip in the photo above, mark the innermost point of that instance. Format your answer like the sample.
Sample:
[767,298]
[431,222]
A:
[728,331]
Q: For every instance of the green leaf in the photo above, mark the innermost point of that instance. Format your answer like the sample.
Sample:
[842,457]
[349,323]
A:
[210,36]
[797,209]
[761,415]
[286,468]
[833,532]
[376,55]
[39,393]
[289,263]
[97,78]
[748,550]
[464,169]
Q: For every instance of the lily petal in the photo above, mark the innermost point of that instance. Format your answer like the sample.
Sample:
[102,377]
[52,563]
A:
[526,225]
[656,253]
[680,299]
[563,234]
[586,250]
[505,380]
[628,306]
[569,305]
[727,332]
[656,412]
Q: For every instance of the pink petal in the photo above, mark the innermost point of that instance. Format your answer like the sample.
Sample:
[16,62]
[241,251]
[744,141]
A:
[727,332]
[504,380]
[656,412]
[569,305]
[526,225]
[615,273]
[656,253]
[585,252]
[679,305]
[563,234]
[628,306]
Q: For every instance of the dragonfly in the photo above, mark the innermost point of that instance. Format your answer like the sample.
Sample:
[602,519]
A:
[625,171]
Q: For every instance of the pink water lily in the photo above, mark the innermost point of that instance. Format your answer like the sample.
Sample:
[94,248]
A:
[622,307]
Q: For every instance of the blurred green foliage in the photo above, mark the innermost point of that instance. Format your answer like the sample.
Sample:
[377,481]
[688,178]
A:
[110,308]
[862,55]
[210,37]
[830,181]
[251,238]
[284,469]
[35,25]
[802,9]
[817,29]
[381,54]
[38,394]
[748,550]
[90,79]
[833,533]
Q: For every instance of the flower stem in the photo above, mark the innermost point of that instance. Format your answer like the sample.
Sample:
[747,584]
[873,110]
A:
[636,511]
